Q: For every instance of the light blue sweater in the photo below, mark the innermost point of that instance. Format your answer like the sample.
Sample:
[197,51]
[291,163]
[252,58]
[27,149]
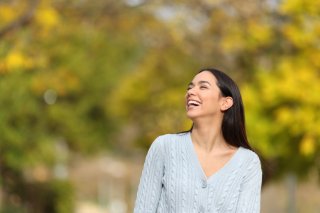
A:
[173,181]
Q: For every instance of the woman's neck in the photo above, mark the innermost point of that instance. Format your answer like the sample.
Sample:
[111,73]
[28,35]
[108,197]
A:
[208,137]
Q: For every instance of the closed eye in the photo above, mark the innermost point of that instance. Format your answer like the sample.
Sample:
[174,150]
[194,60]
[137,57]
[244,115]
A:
[190,86]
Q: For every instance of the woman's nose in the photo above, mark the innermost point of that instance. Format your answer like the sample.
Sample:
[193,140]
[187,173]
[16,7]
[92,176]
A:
[190,92]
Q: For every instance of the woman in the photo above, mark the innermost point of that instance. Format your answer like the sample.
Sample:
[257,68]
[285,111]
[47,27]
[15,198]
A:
[210,168]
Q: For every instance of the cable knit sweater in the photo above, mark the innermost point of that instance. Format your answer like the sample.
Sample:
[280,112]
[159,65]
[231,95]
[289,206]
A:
[173,180]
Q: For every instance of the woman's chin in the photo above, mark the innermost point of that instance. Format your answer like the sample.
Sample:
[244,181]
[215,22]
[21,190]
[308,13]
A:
[192,115]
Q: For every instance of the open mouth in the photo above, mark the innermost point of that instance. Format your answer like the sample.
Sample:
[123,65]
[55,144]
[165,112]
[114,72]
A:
[192,103]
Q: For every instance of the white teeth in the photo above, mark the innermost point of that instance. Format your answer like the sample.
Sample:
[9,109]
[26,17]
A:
[194,103]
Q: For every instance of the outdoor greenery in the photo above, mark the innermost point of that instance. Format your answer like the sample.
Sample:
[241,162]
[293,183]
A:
[78,77]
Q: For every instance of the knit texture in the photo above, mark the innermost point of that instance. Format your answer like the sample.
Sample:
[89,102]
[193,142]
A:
[173,180]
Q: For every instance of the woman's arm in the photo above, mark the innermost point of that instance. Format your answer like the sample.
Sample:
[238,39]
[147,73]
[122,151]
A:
[149,189]
[250,190]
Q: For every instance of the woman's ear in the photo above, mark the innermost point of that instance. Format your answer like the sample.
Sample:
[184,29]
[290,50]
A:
[227,103]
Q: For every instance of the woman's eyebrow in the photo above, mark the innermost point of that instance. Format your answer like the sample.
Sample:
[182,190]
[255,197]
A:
[190,84]
[200,82]
[204,82]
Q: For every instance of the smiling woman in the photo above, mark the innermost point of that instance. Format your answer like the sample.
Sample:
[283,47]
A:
[211,167]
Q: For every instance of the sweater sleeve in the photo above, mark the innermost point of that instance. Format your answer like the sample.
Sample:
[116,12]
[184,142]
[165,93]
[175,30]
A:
[150,185]
[250,191]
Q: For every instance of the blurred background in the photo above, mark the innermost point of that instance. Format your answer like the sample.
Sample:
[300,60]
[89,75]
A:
[87,85]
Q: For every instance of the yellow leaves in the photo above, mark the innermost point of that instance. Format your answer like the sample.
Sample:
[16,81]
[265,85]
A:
[307,145]
[47,18]
[19,55]
[19,59]
[294,80]
[233,40]
[299,36]
[11,11]
[249,36]
[296,119]
[133,89]
[314,58]
[283,105]
[249,97]
[291,6]
[7,14]
[303,28]
[61,81]
[15,60]
[284,115]
[268,90]
[260,33]
[300,6]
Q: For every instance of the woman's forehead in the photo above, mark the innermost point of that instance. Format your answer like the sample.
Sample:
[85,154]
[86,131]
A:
[204,76]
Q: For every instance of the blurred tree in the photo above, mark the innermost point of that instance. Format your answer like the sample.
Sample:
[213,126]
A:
[8,15]
[283,103]
[112,74]
[55,75]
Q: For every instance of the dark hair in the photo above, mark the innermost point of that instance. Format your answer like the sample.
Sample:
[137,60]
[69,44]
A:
[233,123]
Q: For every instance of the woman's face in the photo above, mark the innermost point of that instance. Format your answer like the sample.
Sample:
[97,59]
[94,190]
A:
[203,97]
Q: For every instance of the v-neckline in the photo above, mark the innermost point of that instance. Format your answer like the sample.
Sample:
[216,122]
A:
[195,159]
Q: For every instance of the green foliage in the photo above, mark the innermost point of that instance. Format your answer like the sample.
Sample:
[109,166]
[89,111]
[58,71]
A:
[55,196]
[109,75]
[55,75]
[12,209]
[282,102]
[61,196]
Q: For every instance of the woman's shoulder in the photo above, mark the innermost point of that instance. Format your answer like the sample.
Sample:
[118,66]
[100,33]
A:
[170,139]
[249,156]
[250,162]
[250,165]
[174,136]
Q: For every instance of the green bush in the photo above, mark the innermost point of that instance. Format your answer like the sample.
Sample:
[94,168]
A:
[54,196]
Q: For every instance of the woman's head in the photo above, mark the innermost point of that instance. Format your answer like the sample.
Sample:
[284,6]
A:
[218,94]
